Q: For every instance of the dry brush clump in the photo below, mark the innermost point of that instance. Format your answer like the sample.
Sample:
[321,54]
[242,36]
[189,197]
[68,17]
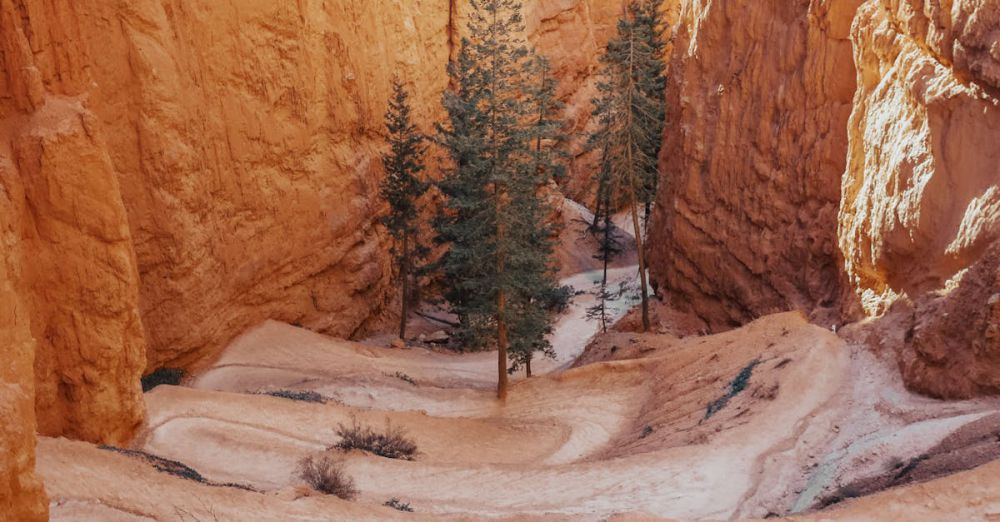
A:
[398,505]
[294,395]
[173,467]
[393,443]
[326,474]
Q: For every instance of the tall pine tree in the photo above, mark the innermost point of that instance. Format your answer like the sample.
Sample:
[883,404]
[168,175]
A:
[608,245]
[497,268]
[402,188]
[652,81]
[531,310]
[630,112]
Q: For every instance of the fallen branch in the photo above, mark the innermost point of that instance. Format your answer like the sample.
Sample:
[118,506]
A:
[438,320]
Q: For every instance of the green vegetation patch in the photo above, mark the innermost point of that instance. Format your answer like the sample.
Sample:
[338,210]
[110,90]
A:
[735,388]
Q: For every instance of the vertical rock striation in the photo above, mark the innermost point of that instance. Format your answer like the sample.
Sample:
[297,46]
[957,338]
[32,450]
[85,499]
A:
[21,495]
[758,103]
[175,172]
[921,194]
[77,282]
[247,135]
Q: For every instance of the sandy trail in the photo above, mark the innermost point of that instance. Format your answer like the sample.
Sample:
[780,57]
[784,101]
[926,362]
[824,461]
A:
[587,443]
[629,433]
[549,435]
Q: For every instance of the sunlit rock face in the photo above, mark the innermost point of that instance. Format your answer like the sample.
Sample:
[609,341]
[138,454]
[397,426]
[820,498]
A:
[759,99]
[173,174]
[921,194]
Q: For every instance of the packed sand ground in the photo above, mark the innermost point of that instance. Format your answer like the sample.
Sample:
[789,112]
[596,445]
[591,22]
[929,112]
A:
[626,432]
[610,437]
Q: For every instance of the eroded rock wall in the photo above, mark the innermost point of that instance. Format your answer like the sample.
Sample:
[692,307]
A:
[21,495]
[247,136]
[178,171]
[921,194]
[247,140]
[76,278]
[758,103]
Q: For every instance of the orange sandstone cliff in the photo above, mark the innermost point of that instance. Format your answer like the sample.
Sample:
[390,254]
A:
[172,173]
[758,103]
[921,194]
[839,157]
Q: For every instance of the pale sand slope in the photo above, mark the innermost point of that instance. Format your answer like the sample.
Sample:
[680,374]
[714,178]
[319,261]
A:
[570,444]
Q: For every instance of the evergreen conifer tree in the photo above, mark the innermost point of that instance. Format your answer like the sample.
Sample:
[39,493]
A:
[402,188]
[497,268]
[608,247]
[543,130]
[630,111]
[652,81]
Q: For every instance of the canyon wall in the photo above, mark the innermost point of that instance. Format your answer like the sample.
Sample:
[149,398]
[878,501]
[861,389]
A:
[758,102]
[838,158]
[175,172]
[247,137]
[246,143]
[70,330]
[921,194]
[21,496]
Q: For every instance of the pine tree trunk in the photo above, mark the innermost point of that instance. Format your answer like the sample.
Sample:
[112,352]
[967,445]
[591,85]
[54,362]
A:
[501,310]
[501,347]
[604,278]
[499,194]
[405,269]
[642,263]
[501,303]
[527,366]
[633,190]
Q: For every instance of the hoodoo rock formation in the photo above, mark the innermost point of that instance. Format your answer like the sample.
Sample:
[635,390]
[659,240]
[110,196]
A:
[791,185]
[20,490]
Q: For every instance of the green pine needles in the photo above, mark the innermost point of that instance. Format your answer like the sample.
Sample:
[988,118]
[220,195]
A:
[402,188]
[499,137]
[630,111]
[501,141]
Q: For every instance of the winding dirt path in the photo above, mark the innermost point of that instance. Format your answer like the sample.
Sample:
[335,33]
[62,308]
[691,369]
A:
[631,436]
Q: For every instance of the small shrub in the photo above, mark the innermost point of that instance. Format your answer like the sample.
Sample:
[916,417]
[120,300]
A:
[393,443]
[302,396]
[735,388]
[398,505]
[557,299]
[172,467]
[646,431]
[185,515]
[404,377]
[326,475]
[169,376]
